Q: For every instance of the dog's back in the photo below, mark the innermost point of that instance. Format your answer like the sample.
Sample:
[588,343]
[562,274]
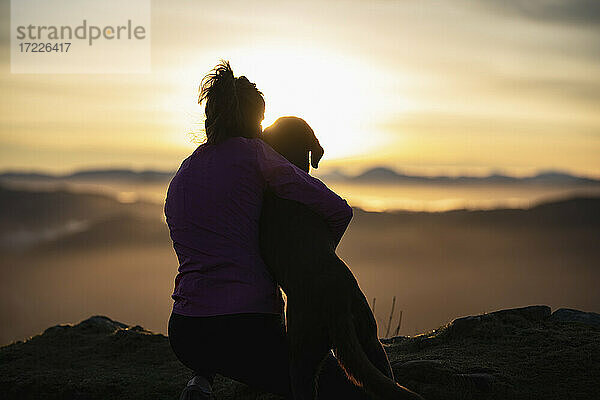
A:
[326,308]
[287,229]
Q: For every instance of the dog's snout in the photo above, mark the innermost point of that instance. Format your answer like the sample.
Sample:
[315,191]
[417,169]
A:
[316,153]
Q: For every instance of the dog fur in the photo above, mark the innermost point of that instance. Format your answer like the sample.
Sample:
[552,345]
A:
[326,310]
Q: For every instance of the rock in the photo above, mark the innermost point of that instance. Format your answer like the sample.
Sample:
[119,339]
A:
[138,328]
[531,313]
[570,315]
[464,325]
[98,324]
[512,316]
[56,329]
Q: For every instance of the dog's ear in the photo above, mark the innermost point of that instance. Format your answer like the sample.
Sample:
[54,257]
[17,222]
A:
[316,150]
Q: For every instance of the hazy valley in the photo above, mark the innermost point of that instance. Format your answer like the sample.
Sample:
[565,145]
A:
[68,254]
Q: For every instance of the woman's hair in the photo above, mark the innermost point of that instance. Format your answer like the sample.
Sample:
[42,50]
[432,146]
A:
[234,106]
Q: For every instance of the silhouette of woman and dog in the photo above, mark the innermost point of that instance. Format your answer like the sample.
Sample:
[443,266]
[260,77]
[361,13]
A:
[246,218]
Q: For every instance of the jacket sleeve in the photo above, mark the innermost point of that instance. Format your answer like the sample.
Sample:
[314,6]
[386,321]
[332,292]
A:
[290,182]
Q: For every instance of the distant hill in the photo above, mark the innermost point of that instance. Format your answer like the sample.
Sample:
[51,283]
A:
[389,176]
[60,216]
[123,175]
[111,232]
[580,212]
[20,208]
[522,353]
[372,175]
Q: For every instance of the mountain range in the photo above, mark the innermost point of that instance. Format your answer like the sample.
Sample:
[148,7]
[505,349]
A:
[387,175]
[371,175]
[125,175]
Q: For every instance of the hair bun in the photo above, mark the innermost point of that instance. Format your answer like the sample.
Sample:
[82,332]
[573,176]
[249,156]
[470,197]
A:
[234,107]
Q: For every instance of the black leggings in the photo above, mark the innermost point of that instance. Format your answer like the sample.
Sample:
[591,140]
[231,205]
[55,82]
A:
[249,348]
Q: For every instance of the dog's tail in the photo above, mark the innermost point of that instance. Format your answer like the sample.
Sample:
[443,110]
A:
[359,368]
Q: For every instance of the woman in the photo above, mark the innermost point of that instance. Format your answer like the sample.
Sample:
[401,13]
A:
[227,315]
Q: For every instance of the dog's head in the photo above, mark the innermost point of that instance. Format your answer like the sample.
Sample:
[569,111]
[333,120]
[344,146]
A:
[293,138]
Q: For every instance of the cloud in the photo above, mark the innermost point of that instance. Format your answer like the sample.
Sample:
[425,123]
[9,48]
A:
[573,91]
[567,12]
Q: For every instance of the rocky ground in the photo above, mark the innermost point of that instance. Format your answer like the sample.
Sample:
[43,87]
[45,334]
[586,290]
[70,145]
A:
[525,353]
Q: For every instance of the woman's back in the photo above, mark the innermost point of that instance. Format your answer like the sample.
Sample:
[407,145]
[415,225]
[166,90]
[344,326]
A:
[213,208]
[221,194]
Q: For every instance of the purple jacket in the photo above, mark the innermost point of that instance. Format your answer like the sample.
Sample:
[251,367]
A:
[213,209]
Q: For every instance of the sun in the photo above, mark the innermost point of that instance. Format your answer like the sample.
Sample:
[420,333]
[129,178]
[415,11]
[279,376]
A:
[326,90]
[338,97]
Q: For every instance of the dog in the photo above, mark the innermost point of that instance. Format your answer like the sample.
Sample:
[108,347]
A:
[326,310]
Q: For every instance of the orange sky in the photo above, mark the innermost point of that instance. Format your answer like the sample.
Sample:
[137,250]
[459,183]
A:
[437,87]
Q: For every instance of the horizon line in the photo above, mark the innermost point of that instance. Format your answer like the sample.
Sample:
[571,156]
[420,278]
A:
[400,172]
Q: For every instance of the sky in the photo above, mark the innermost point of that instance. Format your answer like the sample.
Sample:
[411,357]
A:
[453,87]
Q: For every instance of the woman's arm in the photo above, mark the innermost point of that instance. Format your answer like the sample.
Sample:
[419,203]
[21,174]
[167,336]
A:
[290,182]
